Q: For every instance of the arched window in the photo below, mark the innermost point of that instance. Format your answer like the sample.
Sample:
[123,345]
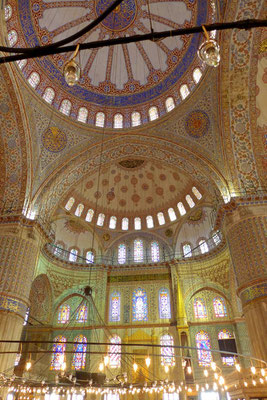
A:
[73,255]
[203,344]
[21,64]
[125,224]
[100,119]
[153,113]
[90,257]
[216,238]
[164,304]
[181,208]
[184,91]
[115,352]
[190,201]
[161,218]
[140,311]
[223,337]
[115,307]
[121,253]
[149,221]
[49,95]
[34,79]
[65,107]
[203,246]
[138,250]
[167,351]
[79,210]
[79,349]
[118,121]
[82,114]
[219,307]
[200,308]
[172,214]
[63,314]
[100,219]
[81,315]
[137,223]
[169,103]
[58,356]
[58,250]
[89,215]
[12,37]
[136,118]
[197,74]
[8,12]
[155,252]
[187,251]
[112,222]
[69,203]
[196,193]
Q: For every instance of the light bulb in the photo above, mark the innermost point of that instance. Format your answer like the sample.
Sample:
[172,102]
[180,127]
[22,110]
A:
[189,369]
[261,380]
[166,368]
[213,366]
[148,361]
[197,386]
[206,373]
[207,386]
[254,382]
[238,367]
[106,360]
[221,380]
[135,367]
[253,369]
[216,376]
[28,365]
[215,386]
[72,72]
[209,53]
[262,371]
[189,390]
[245,384]
[101,367]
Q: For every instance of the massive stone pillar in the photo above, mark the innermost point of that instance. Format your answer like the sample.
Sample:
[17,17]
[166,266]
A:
[245,223]
[20,243]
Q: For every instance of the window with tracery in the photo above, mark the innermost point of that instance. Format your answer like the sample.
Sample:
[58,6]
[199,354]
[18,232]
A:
[125,224]
[112,222]
[187,251]
[90,256]
[167,351]
[223,336]
[82,114]
[8,12]
[153,113]
[172,214]
[140,309]
[81,315]
[136,118]
[73,255]
[161,218]
[137,223]
[79,356]
[63,314]
[12,37]
[169,103]
[203,344]
[200,310]
[118,121]
[100,119]
[149,221]
[155,251]
[69,203]
[164,304]
[21,64]
[114,352]
[190,201]
[203,246]
[49,95]
[58,356]
[34,79]
[121,253]
[184,91]
[58,250]
[196,193]
[115,307]
[216,238]
[219,307]
[65,107]
[79,210]
[89,215]
[197,74]
[138,250]
[181,208]
[100,219]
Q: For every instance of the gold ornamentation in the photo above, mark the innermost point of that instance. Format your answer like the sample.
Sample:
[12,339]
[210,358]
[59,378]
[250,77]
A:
[169,232]
[130,164]
[196,216]
[106,237]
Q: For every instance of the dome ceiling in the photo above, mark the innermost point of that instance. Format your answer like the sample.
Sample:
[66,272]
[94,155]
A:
[122,78]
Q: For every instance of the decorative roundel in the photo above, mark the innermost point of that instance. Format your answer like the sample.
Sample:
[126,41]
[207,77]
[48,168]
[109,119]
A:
[197,123]
[121,18]
[54,140]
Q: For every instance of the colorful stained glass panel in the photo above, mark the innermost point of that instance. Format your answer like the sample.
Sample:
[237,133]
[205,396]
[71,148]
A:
[79,349]
[203,344]
[164,304]
[140,311]
[58,357]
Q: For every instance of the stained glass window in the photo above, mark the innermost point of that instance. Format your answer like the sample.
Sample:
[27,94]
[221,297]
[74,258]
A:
[70,203]
[79,210]
[100,219]
[136,118]
[203,246]
[81,315]
[181,208]
[118,121]
[154,251]
[138,250]
[125,224]
[8,12]
[167,353]
[64,314]
[112,222]
[65,107]
[203,344]
[161,218]
[169,104]
[34,79]
[115,307]
[137,223]
[121,253]
[49,95]
[164,304]
[89,215]
[190,201]
[197,74]
[149,221]
[100,119]
[140,311]
[114,352]
[21,63]
[90,257]
[73,255]
[79,356]
[216,238]
[82,114]
[12,37]
[184,91]
[219,307]
[153,113]
[196,193]
[200,308]
[58,356]
[187,251]
[226,359]
[58,250]
[172,214]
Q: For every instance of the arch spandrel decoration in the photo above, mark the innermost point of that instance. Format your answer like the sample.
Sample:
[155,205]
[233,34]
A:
[41,299]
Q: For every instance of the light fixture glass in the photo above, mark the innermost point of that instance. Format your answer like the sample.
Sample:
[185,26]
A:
[209,53]
[72,72]
[28,365]
[135,367]
[101,367]
[148,361]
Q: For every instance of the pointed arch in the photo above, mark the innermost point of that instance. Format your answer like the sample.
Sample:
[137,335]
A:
[79,349]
